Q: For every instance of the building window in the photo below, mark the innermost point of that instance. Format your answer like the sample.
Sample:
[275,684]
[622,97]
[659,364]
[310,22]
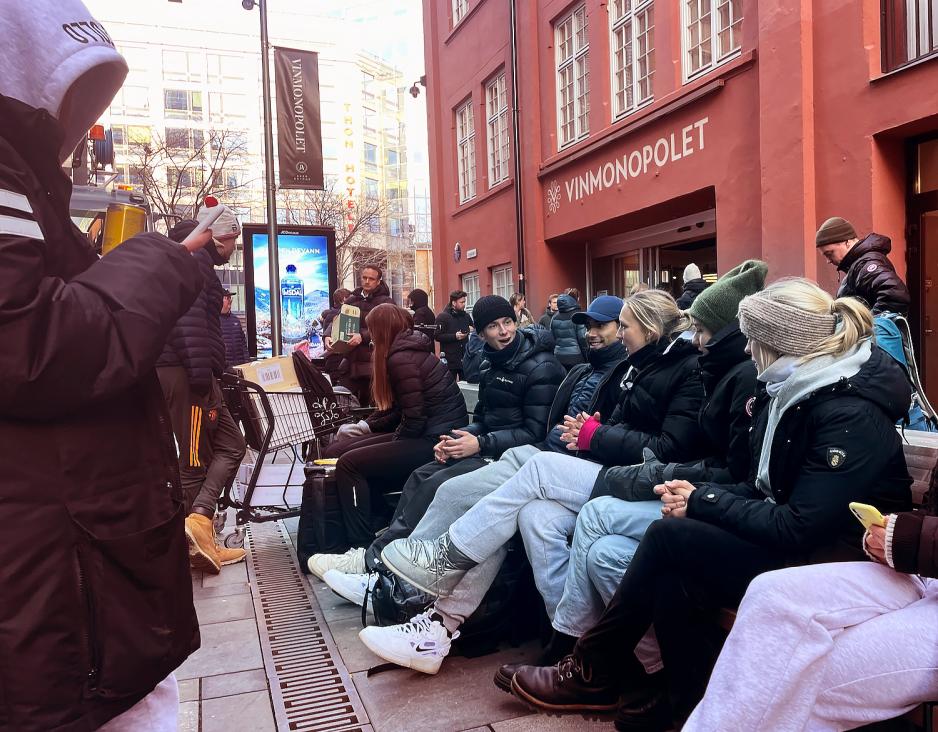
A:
[371,154]
[470,285]
[183,66]
[502,283]
[573,90]
[460,8]
[184,139]
[496,112]
[131,101]
[633,54]
[371,189]
[910,30]
[712,33]
[181,104]
[466,152]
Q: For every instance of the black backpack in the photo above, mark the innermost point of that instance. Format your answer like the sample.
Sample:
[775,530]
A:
[512,610]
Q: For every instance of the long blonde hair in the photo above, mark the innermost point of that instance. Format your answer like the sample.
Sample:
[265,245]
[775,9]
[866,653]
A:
[658,314]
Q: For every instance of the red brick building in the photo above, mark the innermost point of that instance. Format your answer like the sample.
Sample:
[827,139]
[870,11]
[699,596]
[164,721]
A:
[654,133]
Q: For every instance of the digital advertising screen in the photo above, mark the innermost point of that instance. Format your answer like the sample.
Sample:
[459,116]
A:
[307,277]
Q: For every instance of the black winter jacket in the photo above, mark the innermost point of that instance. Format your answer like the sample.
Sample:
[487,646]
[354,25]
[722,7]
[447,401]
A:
[236,345]
[658,407]
[692,288]
[838,445]
[425,392]
[570,344]
[95,593]
[449,323]
[424,317]
[472,359]
[195,342]
[870,277]
[516,390]
[357,363]
[545,319]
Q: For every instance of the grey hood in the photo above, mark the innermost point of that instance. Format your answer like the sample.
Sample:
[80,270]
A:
[51,47]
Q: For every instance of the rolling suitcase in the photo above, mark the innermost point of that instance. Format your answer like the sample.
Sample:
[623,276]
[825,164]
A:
[321,530]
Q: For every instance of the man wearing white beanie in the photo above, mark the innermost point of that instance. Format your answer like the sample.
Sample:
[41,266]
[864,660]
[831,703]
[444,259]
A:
[97,599]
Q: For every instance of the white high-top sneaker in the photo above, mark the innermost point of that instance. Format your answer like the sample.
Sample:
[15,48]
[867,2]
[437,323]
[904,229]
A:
[350,587]
[421,644]
[352,562]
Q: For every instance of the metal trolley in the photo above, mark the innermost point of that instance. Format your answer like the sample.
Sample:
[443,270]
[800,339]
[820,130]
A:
[290,425]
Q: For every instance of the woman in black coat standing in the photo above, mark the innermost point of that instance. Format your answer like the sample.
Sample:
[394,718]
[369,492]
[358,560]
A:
[418,392]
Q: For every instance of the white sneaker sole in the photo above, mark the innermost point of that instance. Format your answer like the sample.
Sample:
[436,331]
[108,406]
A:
[425,665]
[358,600]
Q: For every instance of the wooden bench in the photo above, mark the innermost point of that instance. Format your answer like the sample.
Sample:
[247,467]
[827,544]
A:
[921,456]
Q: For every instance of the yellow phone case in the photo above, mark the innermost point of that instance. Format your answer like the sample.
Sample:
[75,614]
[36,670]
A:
[867,515]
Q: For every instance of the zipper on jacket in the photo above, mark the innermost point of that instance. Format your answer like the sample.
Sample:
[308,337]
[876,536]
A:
[88,632]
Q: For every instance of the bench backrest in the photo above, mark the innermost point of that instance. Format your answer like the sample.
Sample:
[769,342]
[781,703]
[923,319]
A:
[921,456]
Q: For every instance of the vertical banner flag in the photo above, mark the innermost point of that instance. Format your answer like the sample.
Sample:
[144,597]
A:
[299,132]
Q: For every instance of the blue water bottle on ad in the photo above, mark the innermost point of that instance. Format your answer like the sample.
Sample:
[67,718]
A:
[292,298]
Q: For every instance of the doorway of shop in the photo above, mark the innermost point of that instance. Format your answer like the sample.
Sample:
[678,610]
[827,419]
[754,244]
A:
[659,267]
[923,256]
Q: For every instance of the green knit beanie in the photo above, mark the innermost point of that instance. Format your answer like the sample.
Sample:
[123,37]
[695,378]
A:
[717,306]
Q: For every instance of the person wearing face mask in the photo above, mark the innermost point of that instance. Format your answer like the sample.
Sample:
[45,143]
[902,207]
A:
[189,368]
[623,504]
[97,599]
[824,436]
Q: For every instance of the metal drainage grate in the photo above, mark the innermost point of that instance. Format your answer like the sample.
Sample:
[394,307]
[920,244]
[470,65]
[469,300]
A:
[309,684]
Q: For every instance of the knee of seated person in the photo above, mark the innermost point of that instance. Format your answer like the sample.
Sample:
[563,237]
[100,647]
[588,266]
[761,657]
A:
[607,554]
[594,510]
[535,519]
[790,583]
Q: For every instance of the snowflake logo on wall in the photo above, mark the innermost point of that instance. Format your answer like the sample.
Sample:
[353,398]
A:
[553,197]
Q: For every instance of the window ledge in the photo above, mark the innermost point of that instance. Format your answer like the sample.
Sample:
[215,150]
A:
[911,65]
[689,93]
[482,197]
[462,21]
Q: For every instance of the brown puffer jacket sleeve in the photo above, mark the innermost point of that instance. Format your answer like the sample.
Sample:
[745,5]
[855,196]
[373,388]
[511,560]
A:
[914,543]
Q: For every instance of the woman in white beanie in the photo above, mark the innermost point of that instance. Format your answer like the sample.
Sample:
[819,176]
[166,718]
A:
[827,438]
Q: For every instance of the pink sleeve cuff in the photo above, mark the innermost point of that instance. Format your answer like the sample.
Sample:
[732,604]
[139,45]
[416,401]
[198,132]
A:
[586,433]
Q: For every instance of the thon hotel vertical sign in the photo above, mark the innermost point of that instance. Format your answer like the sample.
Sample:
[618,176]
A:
[299,133]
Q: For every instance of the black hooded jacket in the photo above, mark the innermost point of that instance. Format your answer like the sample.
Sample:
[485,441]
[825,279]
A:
[358,361]
[424,317]
[516,389]
[838,445]
[870,277]
[425,393]
[692,288]
[448,324]
[569,338]
[658,408]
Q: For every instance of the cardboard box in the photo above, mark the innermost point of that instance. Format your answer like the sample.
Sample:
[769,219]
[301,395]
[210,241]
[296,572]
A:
[271,374]
[347,323]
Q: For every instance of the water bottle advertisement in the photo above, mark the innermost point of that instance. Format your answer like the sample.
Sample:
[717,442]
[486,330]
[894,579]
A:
[307,277]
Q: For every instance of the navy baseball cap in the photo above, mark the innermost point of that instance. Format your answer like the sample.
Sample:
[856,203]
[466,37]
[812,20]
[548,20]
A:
[603,309]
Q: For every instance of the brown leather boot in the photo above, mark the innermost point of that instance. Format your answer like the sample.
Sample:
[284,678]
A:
[203,554]
[567,687]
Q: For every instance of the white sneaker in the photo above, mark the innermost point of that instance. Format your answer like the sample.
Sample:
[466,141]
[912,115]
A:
[421,644]
[352,562]
[350,587]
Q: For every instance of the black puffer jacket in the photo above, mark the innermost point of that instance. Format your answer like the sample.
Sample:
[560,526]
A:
[871,277]
[425,392]
[449,323]
[195,342]
[236,345]
[838,445]
[357,363]
[424,317]
[569,338]
[516,390]
[658,408]
[692,288]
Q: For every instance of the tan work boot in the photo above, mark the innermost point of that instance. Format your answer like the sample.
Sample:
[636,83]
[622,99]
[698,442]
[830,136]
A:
[228,556]
[203,554]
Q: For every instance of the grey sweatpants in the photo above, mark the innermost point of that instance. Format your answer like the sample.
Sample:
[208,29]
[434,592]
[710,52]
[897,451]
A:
[825,647]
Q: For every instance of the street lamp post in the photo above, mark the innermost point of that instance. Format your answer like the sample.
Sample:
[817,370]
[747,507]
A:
[273,255]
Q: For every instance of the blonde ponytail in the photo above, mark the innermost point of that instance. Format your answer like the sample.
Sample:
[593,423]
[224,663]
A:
[854,323]
[658,314]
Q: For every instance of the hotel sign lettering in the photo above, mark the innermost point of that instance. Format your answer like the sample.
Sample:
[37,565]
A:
[631,165]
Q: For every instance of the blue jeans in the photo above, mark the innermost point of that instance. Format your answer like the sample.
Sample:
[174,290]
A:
[607,534]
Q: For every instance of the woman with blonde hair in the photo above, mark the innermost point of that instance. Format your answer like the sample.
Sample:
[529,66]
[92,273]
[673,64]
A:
[823,436]
[522,314]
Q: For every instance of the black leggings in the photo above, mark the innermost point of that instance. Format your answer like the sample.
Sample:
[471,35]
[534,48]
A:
[374,466]
[683,571]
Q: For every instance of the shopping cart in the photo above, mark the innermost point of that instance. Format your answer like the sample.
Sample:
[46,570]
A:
[282,430]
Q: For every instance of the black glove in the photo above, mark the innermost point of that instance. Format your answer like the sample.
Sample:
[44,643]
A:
[635,482]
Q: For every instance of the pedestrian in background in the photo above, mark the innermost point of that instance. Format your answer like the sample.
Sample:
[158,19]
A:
[424,317]
[549,310]
[454,325]
[236,344]
[519,303]
[570,345]
[694,284]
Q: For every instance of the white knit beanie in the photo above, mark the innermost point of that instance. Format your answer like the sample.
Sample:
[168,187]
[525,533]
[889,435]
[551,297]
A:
[691,272]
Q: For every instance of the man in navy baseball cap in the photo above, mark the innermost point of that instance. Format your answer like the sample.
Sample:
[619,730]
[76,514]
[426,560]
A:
[603,309]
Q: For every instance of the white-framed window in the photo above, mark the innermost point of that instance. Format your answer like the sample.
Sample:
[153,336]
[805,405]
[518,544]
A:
[502,283]
[466,152]
[460,8]
[633,54]
[470,285]
[712,33]
[182,104]
[573,88]
[496,112]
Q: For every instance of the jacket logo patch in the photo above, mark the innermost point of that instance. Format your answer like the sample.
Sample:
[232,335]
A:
[750,403]
[871,268]
[504,380]
[212,415]
[836,457]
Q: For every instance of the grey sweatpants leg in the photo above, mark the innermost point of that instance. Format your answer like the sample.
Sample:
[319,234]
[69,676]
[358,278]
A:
[452,500]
